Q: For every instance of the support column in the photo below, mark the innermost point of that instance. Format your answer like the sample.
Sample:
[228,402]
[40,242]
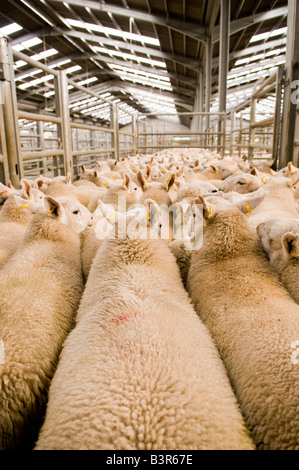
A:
[291,74]
[62,106]
[223,66]
[115,127]
[208,84]
[277,117]
[10,114]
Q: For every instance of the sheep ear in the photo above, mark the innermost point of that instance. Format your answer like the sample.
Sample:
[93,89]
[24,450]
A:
[95,174]
[148,171]
[290,167]
[68,179]
[40,183]
[253,172]
[244,158]
[53,207]
[152,212]
[126,182]
[290,243]
[25,185]
[5,191]
[253,201]
[213,168]
[207,209]
[83,168]
[170,182]
[141,181]
[104,182]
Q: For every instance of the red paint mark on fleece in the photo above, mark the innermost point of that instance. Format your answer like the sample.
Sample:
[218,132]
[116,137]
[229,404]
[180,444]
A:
[120,320]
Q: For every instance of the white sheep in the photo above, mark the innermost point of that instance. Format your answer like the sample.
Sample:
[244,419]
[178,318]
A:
[278,203]
[280,240]
[40,289]
[241,183]
[139,370]
[15,216]
[254,323]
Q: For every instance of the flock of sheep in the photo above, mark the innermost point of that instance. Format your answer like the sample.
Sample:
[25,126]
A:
[141,340]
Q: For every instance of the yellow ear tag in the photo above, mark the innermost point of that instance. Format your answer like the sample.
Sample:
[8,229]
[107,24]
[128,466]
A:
[210,210]
[162,171]
[195,171]
[26,205]
[263,180]
[104,184]
[148,217]
[248,207]
[51,211]
[112,217]
[296,251]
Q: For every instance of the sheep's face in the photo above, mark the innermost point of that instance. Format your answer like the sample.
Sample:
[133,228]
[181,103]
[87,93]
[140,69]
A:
[69,212]
[217,172]
[37,196]
[242,184]
[280,240]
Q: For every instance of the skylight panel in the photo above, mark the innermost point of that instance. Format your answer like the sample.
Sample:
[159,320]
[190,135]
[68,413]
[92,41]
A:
[139,72]
[27,44]
[10,29]
[262,36]
[36,82]
[136,58]
[114,32]
[88,80]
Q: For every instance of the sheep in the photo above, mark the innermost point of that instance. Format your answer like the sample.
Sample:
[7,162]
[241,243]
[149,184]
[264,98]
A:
[26,191]
[280,240]
[122,195]
[254,323]
[40,290]
[158,192]
[64,188]
[14,218]
[243,183]
[278,203]
[217,171]
[157,381]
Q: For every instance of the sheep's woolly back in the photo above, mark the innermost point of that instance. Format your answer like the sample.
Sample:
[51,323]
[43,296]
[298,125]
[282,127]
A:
[40,290]
[254,323]
[290,278]
[140,370]
[60,189]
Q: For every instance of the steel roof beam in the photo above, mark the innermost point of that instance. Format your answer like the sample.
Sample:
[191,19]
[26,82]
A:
[249,51]
[191,63]
[190,29]
[239,25]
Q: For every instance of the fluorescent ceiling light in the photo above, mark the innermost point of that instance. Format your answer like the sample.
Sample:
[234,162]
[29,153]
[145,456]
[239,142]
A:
[114,32]
[10,29]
